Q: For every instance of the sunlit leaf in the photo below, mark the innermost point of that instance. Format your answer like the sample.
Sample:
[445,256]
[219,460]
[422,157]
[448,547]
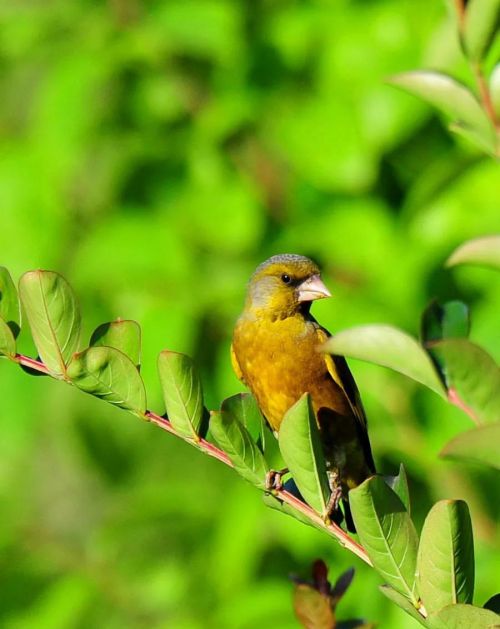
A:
[244,407]
[401,601]
[495,88]
[464,617]
[109,374]
[182,393]
[482,20]
[450,96]
[53,315]
[387,534]
[479,445]
[9,302]
[445,561]
[472,377]
[301,448]
[236,441]
[312,608]
[122,334]
[7,340]
[387,346]
[484,251]
[399,484]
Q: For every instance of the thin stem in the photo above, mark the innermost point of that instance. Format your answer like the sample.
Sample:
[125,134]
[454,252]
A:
[215,452]
[484,93]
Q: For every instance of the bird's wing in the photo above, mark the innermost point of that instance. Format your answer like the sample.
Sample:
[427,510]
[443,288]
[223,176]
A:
[340,373]
[236,366]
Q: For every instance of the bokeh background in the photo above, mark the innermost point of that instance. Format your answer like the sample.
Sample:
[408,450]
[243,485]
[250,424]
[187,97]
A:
[155,152]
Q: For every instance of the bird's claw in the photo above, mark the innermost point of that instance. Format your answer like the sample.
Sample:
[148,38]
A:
[274,479]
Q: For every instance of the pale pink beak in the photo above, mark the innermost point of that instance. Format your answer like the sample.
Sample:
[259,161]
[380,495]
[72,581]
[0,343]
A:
[311,289]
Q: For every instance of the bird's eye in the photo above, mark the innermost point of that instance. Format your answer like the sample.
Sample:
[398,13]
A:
[286,278]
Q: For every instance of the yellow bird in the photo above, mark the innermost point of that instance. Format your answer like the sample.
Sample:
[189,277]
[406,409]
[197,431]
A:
[275,352]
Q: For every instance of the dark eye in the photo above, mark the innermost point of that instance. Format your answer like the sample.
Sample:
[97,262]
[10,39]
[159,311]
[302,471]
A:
[286,278]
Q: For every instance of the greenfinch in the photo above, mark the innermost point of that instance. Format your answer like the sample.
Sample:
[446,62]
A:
[276,353]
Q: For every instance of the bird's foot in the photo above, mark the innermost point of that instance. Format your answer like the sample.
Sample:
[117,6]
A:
[332,506]
[274,479]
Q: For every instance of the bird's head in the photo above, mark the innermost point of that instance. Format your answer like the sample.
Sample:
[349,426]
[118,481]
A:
[285,284]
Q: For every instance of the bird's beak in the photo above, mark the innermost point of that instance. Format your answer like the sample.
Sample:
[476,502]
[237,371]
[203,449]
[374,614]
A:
[311,289]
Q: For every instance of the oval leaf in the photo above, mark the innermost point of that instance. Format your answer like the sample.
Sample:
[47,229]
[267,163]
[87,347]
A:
[399,484]
[53,315]
[479,445]
[387,534]
[300,446]
[482,20]
[446,556]
[447,321]
[236,441]
[312,608]
[121,334]
[108,374]
[484,251]
[9,303]
[7,341]
[472,377]
[449,96]
[182,393]
[464,617]
[244,407]
[387,346]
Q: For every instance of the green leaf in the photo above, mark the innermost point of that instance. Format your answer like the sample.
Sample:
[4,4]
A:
[53,315]
[401,601]
[482,20]
[300,445]
[236,441]
[244,407]
[495,88]
[447,321]
[445,559]
[399,484]
[387,346]
[7,341]
[387,534]
[479,445]
[463,617]
[451,97]
[274,502]
[493,604]
[312,608]
[472,377]
[9,303]
[182,393]
[108,374]
[484,251]
[121,334]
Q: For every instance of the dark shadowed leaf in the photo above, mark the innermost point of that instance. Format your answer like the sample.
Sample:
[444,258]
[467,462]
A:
[479,445]
[449,96]
[238,444]
[182,393]
[387,346]
[403,602]
[447,321]
[341,585]
[445,559]
[493,604]
[472,377]
[484,251]
[53,315]
[9,302]
[244,407]
[7,340]
[301,448]
[399,484]
[464,617]
[312,608]
[387,534]
[108,374]
[482,20]
[121,334]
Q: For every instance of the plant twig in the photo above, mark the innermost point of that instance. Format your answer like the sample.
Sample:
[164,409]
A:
[212,450]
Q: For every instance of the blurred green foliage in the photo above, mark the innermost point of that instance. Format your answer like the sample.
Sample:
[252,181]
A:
[155,152]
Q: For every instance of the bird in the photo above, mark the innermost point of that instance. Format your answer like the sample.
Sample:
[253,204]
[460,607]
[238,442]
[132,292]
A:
[275,352]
